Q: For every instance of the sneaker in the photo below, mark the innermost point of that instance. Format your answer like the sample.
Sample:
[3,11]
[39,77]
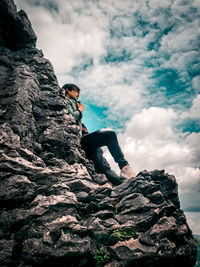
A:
[127,172]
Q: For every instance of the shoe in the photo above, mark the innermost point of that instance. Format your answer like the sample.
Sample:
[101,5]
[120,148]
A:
[127,172]
[113,178]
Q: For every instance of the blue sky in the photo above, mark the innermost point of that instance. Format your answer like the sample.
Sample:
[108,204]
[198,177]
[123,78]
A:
[137,64]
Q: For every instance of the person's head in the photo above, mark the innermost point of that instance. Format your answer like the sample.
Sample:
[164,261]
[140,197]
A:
[71,90]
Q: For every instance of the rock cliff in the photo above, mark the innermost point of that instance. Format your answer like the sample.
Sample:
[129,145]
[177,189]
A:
[55,208]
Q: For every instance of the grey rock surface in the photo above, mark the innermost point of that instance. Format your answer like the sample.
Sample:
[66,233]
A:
[55,208]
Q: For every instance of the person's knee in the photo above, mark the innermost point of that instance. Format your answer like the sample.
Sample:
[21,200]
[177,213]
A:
[110,134]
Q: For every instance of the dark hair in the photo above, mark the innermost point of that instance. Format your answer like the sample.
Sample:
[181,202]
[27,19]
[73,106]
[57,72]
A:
[70,87]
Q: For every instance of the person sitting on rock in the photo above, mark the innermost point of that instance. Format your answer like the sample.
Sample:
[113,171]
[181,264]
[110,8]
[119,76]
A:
[92,142]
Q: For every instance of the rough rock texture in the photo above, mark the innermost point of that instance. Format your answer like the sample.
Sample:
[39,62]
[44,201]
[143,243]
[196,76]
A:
[55,209]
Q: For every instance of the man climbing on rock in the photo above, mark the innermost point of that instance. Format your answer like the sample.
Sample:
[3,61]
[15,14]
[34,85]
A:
[92,142]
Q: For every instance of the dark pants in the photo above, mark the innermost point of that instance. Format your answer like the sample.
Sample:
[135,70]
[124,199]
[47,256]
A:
[92,142]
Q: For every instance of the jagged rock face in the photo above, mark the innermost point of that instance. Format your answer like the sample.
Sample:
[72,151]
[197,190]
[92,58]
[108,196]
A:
[15,28]
[55,209]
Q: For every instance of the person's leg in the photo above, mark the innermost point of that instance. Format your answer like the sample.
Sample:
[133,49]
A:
[98,139]
[103,166]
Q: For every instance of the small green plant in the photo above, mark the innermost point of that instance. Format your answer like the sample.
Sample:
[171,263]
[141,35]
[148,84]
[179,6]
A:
[125,234]
[101,257]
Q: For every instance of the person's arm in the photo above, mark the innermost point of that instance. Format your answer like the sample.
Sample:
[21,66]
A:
[84,129]
[77,114]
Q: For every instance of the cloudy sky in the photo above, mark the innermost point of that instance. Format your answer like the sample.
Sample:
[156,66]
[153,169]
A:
[137,64]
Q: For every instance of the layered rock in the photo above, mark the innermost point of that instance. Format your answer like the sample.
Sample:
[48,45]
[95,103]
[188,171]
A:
[55,208]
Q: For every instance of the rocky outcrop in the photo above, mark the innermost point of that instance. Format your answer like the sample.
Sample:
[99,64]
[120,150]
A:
[15,28]
[55,208]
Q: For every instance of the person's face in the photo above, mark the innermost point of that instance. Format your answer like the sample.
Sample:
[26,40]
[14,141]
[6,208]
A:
[74,94]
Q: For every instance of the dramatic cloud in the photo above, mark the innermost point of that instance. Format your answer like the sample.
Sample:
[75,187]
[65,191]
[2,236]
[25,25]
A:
[149,49]
[151,141]
[65,35]
[193,219]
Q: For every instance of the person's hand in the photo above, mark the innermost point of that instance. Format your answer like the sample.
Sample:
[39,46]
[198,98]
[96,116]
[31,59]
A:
[81,107]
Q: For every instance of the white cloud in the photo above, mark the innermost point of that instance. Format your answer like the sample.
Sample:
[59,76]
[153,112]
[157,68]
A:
[189,180]
[193,219]
[150,142]
[152,123]
[80,31]
[196,83]
[193,141]
[63,40]
[195,109]
[157,142]
[105,86]
[157,3]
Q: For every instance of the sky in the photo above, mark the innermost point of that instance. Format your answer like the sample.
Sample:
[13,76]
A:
[137,64]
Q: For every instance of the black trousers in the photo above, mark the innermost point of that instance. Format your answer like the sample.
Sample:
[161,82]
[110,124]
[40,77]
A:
[92,144]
